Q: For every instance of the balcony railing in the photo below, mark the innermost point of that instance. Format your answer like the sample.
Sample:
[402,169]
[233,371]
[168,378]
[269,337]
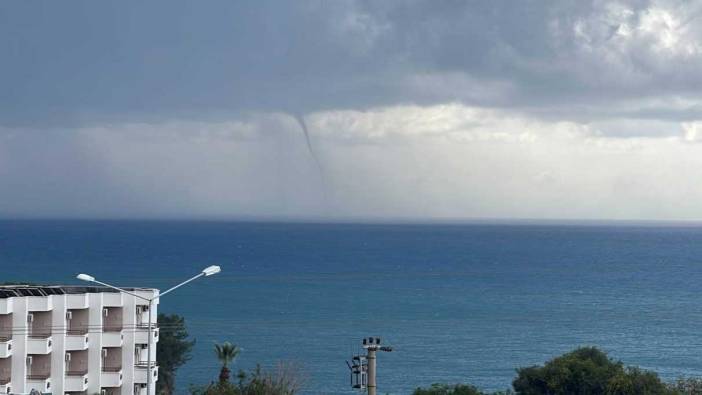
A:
[40,334]
[145,364]
[77,331]
[112,369]
[76,372]
[38,376]
[112,328]
[5,338]
[145,325]
[5,381]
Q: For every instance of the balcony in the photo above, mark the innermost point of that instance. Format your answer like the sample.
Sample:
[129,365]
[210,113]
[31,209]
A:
[141,336]
[78,323]
[39,382]
[5,386]
[39,344]
[114,328]
[39,303]
[5,375]
[111,376]
[112,299]
[77,331]
[144,364]
[76,342]
[5,347]
[76,380]
[142,320]
[112,339]
[6,306]
[77,301]
[141,370]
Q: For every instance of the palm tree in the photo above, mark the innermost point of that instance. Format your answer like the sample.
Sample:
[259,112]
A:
[226,353]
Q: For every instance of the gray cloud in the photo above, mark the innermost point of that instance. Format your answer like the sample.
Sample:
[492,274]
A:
[558,109]
[447,161]
[88,62]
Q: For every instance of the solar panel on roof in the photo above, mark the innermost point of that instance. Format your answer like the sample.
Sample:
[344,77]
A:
[9,291]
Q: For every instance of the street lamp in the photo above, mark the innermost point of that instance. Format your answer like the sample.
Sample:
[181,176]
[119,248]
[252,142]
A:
[208,271]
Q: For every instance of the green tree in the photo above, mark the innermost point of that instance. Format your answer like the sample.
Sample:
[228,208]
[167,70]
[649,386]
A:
[284,380]
[636,381]
[172,351]
[456,389]
[226,353]
[587,371]
[584,371]
[686,386]
[220,388]
[445,389]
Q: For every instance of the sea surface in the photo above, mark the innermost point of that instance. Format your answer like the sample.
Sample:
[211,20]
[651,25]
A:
[458,302]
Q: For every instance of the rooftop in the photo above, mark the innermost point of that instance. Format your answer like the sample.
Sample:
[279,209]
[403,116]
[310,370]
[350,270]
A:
[19,290]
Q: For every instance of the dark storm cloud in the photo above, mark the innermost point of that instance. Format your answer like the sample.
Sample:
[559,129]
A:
[82,62]
[408,109]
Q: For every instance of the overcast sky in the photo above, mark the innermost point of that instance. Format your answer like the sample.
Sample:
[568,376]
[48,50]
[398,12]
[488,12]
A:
[416,110]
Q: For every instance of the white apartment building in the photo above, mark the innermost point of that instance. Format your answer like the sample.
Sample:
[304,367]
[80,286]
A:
[75,340]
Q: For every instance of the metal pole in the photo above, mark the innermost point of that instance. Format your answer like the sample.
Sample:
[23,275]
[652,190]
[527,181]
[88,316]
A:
[181,284]
[148,358]
[371,371]
[121,290]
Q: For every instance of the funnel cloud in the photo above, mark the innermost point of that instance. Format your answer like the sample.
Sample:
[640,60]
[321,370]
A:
[315,158]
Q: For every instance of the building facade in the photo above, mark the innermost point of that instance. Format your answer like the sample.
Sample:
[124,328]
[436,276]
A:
[76,340]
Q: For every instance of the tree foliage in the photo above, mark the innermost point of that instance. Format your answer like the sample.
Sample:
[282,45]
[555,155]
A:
[686,386]
[587,371]
[636,381]
[172,351]
[583,371]
[445,389]
[226,353]
[284,380]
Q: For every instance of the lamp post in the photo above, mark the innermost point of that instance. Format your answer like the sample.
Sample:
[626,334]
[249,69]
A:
[208,271]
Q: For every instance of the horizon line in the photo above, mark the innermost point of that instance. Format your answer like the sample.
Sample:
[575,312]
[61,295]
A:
[372,220]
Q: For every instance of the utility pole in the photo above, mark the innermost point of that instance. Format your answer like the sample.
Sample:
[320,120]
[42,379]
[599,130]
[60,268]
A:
[364,367]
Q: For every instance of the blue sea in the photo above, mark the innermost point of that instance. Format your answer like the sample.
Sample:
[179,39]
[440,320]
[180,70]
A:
[458,302]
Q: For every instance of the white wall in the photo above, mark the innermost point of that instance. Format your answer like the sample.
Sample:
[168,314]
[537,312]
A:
[95,342]
[90,359]
[58,349]
[19,345]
